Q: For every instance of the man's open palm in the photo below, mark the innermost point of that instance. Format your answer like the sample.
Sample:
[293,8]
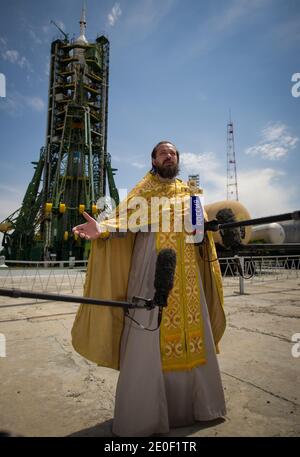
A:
[90,230]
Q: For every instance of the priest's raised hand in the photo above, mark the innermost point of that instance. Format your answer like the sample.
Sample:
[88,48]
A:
[90,230]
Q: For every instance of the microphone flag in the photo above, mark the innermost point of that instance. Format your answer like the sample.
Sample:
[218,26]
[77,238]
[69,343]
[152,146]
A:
[197,219]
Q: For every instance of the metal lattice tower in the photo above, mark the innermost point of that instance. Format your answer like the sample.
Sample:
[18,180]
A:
[232,187]
[194,179]
[74,167]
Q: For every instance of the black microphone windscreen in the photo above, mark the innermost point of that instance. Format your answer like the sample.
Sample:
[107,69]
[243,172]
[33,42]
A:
[164,275]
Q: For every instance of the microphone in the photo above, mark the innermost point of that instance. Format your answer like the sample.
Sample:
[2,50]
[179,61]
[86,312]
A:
[163,284]
[164,276]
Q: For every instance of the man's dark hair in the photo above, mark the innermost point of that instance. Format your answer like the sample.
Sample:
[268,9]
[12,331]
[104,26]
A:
[154,151]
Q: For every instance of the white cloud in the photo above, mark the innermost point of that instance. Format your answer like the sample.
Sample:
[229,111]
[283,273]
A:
[266,191]
[138,165]
[273,131]
[276,142]
[35,37]
[208,168]
[24,63]
[35,102]
[202,161]
[15,103]
[13,56]
[114,15]
[262,191]
[11,106]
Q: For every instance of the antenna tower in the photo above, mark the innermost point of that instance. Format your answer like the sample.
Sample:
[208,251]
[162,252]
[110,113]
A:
[232,188]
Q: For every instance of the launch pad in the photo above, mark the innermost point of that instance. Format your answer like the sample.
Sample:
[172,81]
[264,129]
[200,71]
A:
[74,167]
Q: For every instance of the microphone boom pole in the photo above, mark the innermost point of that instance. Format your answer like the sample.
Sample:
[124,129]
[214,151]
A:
[214,225]
[17,293]
[163,284]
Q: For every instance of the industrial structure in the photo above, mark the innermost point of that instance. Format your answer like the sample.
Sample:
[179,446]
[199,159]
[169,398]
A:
[74,167]
[194,179]
[232,187]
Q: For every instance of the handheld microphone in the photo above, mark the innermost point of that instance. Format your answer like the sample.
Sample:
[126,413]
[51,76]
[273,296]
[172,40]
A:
[164,276]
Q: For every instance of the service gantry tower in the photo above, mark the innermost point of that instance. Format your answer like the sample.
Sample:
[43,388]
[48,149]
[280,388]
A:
[74,167]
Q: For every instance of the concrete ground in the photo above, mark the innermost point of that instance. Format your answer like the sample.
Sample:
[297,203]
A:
[49,390]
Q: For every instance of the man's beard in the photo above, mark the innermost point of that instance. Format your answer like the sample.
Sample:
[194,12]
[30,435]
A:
[167,171]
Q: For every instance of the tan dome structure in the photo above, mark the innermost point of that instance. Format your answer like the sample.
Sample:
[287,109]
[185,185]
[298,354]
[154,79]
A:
[240,214]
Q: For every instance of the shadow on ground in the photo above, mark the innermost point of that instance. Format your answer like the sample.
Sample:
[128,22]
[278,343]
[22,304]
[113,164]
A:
[104,429]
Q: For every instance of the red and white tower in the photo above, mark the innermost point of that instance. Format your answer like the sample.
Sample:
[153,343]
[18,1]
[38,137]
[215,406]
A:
[232,188]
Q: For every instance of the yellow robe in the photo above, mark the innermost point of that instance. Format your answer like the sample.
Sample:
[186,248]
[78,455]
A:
[97,330]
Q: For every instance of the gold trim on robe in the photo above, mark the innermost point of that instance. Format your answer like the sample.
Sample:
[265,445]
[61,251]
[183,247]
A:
[97,330]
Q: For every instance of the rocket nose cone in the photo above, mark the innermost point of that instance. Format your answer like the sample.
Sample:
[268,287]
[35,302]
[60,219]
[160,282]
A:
[82,40]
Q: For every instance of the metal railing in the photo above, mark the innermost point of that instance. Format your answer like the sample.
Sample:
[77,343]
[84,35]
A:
[258,270]
[48,276]
[68,277]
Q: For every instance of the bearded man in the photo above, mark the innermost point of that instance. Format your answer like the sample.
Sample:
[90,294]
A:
[169,377]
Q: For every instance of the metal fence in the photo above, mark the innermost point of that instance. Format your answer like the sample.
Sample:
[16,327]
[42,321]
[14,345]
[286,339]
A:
[240,271]
[49,276]
[68,277]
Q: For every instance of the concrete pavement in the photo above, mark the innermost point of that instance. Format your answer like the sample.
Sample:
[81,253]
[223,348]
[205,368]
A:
[47,389]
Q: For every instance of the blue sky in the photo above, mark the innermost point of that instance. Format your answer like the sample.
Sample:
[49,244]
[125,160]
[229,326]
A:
[177,67]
